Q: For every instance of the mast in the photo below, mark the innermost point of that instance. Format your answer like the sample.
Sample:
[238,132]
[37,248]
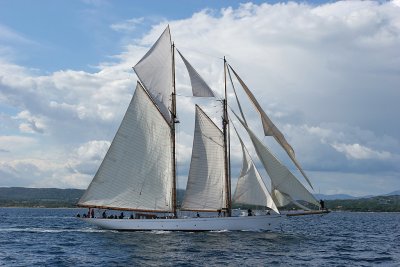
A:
[225,127]
[173,121]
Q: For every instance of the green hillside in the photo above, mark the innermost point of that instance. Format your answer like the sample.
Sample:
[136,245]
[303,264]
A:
[57,198]
[39,197]
[379,203]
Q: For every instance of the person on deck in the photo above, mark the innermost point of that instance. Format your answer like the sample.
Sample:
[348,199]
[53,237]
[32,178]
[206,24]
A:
[322,204]
[249,212]
[104,215]
[92,214]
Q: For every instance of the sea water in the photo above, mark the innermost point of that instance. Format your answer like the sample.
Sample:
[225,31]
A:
[55,237]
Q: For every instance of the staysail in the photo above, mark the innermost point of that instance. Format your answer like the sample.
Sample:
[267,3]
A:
[136,173]
[270,129]
[250,188]
[205,186]
[155,72]
[199,86]
[285,185]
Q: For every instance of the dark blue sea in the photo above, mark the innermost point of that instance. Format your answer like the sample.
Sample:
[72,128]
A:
[54,237]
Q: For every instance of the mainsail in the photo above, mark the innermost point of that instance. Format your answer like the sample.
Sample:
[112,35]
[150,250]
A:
[205,186]
[155,72]
[136,173]
[285,185]
[250,188]
[270,129]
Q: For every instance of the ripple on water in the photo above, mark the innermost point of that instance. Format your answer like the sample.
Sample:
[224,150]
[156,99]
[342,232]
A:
[54,238]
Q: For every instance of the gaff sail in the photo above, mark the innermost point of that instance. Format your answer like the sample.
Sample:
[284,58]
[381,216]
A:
[136,173]
[205,189]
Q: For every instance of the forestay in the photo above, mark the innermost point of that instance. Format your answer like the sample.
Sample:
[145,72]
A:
[136,173]
[205,188]
[199,86]
[281,178]
[155,72]
[250,188]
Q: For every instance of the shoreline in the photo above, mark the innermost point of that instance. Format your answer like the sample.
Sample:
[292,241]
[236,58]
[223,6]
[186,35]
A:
[283,211]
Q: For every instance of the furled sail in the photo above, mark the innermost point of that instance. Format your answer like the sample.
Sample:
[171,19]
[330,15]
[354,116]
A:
[250,188]
[136,173]
[270,129]
[199,86]
[282,179]
[205,188]
[155,72]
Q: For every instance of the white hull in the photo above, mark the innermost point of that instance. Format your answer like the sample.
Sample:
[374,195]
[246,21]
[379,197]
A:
[249,223]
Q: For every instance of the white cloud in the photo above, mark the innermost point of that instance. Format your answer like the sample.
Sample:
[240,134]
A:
[16,143]
[357,151]
[127,25]
[9,35]
[327,75]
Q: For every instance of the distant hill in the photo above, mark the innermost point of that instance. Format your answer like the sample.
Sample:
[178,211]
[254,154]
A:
[57,198]
[378,203]
[331,197]
[394,193]
[46,197]
[39,197]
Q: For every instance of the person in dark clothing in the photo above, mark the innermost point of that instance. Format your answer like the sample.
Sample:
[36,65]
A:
[249,212]
[92,214]
[121,216]
[198,215]
[322,204]
[104,215]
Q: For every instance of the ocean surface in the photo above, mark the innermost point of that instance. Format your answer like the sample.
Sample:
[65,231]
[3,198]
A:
[54,237]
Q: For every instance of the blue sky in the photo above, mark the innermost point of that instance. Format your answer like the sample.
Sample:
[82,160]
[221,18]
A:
[77,34]
[327,73]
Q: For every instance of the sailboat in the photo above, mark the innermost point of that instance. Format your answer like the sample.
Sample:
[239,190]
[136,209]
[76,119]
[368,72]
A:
[138,172]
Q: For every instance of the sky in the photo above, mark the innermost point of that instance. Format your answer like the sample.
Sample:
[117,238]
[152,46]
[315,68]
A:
[327,73]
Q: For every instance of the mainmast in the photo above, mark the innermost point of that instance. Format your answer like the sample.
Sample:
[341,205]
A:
[225,124]
[173,121]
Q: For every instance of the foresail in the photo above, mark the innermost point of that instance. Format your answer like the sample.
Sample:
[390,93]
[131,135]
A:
[199,86]
[136,173]
[281,178]
[250,188]
[155,72]
[205,187]
[270,129]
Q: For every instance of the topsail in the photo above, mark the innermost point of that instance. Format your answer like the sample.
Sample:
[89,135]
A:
[199,86]
[155,72]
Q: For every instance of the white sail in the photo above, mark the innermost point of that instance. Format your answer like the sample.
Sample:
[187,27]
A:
[270,129]
[155,72]
[199,86]
[250,188]
[281,178]
[205,188]
[136,173]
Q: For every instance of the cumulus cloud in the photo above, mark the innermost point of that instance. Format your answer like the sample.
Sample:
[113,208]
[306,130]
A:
[127,25]
[357,151]
[327,75]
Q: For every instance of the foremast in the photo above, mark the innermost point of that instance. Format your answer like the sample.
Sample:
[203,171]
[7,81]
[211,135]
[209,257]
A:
[225,130]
